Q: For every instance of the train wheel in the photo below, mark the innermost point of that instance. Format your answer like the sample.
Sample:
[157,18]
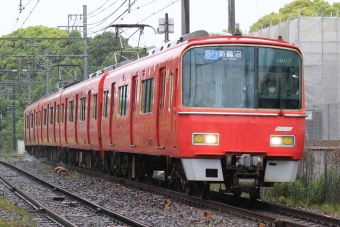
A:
[188,187]
[201,189]
[254,194]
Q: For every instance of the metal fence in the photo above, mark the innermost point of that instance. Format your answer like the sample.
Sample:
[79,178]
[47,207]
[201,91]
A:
[322,121]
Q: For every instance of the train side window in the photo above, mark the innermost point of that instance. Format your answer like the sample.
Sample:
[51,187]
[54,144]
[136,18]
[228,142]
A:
[32,118]
[27,121]
[147,95]
[39,118]
[82,109]
[95,107]
[36,119]
[170,91]
[71,110]
[62,113]
[123,99]
[162,84]
[51,115]
[45,116]
[106,104]
[57,114]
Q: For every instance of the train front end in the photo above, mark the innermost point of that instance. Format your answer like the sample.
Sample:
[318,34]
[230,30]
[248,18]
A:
[241,121]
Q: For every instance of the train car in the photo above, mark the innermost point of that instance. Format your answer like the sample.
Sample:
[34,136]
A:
[204,109]
[224,109]
[80,123]
[32,126]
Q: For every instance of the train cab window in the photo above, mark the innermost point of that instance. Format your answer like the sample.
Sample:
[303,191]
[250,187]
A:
[279,79]
[123,100]
[225,77]
[45,116]
[147,95]
[95,107]
[82,107]
[51,115]
[62,113]
[105,104]
[71,111]
[218,77]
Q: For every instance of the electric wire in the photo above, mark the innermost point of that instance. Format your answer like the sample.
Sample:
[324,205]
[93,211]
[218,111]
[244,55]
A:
[30,13]
[98,8]
[19,14]
[104,28]
[106,18]
[103,10]
[124,31]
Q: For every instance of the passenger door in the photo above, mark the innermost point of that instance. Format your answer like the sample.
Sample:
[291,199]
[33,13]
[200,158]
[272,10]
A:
[161,108]
[134,109]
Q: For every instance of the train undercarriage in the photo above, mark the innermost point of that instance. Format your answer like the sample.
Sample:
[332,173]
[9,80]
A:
[240,173]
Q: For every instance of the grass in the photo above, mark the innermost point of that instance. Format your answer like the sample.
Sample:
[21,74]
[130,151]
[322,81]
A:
[11,215]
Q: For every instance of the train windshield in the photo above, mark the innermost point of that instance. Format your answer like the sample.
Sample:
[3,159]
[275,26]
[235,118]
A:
[241,77]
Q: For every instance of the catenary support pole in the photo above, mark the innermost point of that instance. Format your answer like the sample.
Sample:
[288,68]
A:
[85,41]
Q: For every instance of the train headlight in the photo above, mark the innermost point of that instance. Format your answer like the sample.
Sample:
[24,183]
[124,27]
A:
[205,139]
[282,141]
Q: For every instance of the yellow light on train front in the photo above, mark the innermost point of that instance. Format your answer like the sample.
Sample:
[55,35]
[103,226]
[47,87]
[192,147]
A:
[205,139]
[282,141]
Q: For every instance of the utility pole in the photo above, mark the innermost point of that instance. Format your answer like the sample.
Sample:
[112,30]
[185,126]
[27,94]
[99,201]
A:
[29,84]
[166,28]
[47,73]
[231,16]
[85,41]
[185,16]
[14,114]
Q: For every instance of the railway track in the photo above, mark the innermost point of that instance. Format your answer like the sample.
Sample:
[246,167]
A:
[59,204]
[260,213]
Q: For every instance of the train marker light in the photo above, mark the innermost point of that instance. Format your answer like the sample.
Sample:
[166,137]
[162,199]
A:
[205,139]
[282,141]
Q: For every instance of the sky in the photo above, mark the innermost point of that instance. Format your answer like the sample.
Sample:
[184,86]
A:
[209,15]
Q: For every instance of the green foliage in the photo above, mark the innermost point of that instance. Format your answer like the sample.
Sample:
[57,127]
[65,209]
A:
[316,192]
[100,48]
[14,216]
[307,8]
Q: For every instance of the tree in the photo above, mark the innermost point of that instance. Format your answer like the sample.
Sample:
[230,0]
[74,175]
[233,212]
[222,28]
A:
[307,8]
[100,55]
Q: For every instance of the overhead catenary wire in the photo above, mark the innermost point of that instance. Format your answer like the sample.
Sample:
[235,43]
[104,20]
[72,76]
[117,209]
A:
[106,18]
[101,10]
[16,21]
[103,28]
[125,31]
[30,13]
[98,8]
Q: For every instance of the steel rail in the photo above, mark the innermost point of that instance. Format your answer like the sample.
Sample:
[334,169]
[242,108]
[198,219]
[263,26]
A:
[38,205]
[98,208]
[224,207]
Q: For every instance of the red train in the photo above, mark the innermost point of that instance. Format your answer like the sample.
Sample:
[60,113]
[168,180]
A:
[225,109]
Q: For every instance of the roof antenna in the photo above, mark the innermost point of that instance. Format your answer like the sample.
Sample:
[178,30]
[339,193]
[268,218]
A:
[280,38]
